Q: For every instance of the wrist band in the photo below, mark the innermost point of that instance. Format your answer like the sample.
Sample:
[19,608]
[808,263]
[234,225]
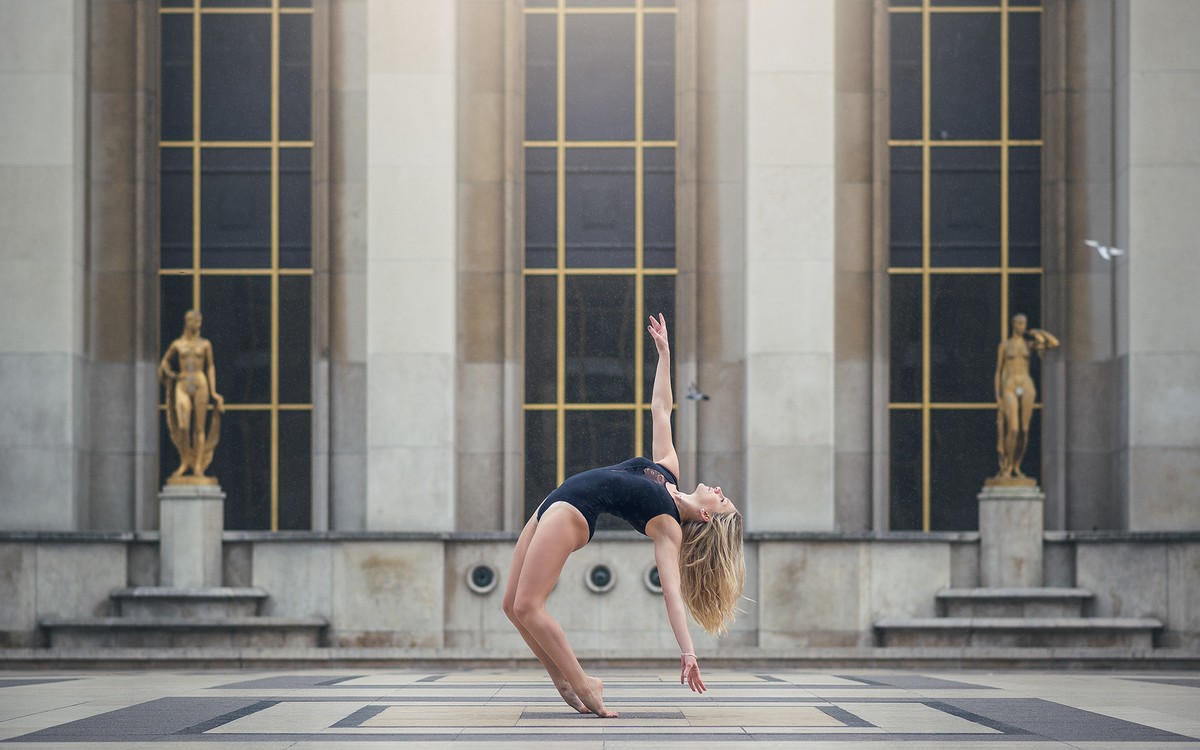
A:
[687,653]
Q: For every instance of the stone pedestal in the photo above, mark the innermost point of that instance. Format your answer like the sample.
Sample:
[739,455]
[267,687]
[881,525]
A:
[191,519]
[1010,536]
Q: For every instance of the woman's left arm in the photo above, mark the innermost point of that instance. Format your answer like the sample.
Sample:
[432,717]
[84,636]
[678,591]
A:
[666,556]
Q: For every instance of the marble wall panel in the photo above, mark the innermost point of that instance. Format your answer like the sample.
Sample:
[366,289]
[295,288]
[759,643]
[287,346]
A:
[812,594]
[904,578]
[61,589]
[279,568]
[1127,579]
[388,594]
[18,591]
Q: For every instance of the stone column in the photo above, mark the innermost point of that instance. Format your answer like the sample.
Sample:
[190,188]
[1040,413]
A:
[191,518]
[789,296]
[412,326]
[1010,536]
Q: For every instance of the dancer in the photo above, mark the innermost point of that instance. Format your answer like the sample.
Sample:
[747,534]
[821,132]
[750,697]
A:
[697,547]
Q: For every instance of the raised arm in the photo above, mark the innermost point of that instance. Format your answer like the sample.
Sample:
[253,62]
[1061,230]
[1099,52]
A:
[666,556]
[662,400]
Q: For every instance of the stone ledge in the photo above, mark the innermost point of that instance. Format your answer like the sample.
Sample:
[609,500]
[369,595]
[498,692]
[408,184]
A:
[1019,623]
[144,623]
[1015,593]
[167,592]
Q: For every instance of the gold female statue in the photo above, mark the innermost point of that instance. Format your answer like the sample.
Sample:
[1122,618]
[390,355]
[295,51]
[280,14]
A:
[1016,394]
[188,392]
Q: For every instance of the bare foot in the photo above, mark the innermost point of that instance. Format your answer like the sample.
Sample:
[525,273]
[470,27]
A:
[569,696]
[592,695]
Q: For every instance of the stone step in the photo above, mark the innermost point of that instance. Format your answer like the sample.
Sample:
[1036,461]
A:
[1020,632]
[184,632]
[164,601]
[1013,602]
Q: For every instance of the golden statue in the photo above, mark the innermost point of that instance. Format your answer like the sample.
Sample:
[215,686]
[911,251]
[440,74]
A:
[188,393]
[1015,397]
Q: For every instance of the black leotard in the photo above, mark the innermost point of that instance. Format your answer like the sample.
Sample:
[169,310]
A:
[634,491]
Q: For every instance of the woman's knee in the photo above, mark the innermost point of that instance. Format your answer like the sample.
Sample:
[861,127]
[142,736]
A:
[525,607]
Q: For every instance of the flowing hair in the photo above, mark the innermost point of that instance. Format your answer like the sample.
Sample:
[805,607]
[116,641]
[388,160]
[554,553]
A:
[712,570]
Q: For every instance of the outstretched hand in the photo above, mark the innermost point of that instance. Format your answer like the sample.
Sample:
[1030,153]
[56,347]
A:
[658,332]
[691,674]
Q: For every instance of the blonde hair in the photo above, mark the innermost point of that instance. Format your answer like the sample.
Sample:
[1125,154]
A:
[712,570]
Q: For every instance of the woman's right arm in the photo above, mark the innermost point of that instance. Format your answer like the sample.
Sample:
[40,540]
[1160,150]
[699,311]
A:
[666,557]
[661,400]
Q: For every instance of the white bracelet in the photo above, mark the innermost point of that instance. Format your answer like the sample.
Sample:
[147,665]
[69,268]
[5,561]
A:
[687,653]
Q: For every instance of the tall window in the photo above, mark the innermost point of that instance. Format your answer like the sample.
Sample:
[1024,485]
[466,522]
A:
[236,242]
[965,245]
[599,228]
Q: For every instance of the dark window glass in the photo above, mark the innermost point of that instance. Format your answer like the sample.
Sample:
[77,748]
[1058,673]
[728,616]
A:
[235,208]
[175,207]
[965,76]
[295,3]
[1024,76]
[658,296]
[1026,3]
[965,3]
[541,76]
[964,322]
[295,470]
[1025,207]
[962,445]
[237,319]
[541,208]
[540,457]
[600,207]
[541,320]
[242,464]
[906,76]
[295,77]
[176,77]
[175,3]
[235,84]
[659,3]
[600,77]
[905,3]
[658,237]
[597,438]
[905,470]
[174,300]
[295,208]
[600,4]
[659,78]
[295,339]
[600,334]
[905,365]
[1025,296]
[964,207]
[540,3]
[235,3]
[905,213]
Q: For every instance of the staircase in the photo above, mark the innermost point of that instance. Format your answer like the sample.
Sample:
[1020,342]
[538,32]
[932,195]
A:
[1034,617]
[165,617]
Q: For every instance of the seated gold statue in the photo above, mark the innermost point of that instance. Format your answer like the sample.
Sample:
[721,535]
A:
[188,392]
[1016,394]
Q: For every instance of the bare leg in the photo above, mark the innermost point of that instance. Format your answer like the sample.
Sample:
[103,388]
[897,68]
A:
[1027,400]
[183,416]
[1011,425]
[199,416]
[510,596]
[561,531]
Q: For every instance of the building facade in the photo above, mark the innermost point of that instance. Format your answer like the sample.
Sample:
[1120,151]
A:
[425,237]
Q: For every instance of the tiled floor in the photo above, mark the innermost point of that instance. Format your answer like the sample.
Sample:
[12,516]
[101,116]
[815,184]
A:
[495,709]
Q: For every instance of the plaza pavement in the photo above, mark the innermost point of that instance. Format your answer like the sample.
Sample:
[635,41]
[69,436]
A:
[501,708]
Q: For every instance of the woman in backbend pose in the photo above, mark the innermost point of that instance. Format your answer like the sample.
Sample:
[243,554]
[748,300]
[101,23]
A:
[697,547]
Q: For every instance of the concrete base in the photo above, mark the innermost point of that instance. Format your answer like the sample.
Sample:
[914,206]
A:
[191,519]
[1010,536]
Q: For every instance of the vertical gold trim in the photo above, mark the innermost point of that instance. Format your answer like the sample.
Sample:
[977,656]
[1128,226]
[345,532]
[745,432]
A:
[639,226]
[926,180]
[274,265]
[196,154]
[1004,133]
[560,336]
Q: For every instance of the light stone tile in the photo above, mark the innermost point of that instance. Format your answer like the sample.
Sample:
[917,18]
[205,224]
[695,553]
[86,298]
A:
[852,233]
[399,293]
[32,200]
[789,213]
[1154,43]
[721,42]
[790,401]
[348,314]
[790,35]
[480,42]
[481,315]
[1164,409]
[914,718]
[478,613]
[112,242]
[110,491]
[791,308]
[348,136]
[37,36]
[395,138]
[297,718]
[49,289]
[35,401]
[1164,108]
[411,213]
[481,227]
[1126,578]
[40,131]
[481,137]
[348,491]
[480,408]
[278,567]
[348,27]
[790,488]
[810,589]
[722,227]
[411,36]
[410,489]
[1160,221]
[1162,486]
[62,592]
[790,119]
[721,135]
[905,578]
[111,142]
[410,401]
[18,590]
[1183,587]
[379,586]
